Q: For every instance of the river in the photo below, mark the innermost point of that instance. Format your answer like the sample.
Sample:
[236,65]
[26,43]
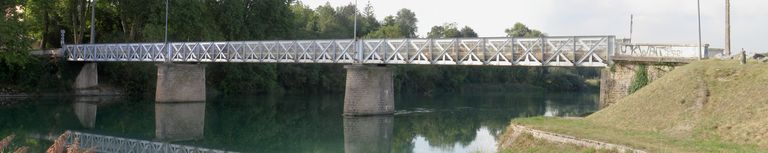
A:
[295,122]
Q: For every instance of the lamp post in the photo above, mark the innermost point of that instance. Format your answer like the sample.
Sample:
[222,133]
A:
[358,44]
[698,4]
[167,46]
[355,28]
[93,21]
[727,27]
[166,22]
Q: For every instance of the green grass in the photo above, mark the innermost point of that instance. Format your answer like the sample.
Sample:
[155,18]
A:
[526,143]
[638,139]
[705,106]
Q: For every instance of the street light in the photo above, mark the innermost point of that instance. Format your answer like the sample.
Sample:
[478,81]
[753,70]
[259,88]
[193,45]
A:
[93,22]
[727,27]
[166,22]
[698,4]
[167,47]
[358,44]
[355,28]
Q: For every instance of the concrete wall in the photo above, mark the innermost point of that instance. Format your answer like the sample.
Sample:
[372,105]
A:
[369,90]
[370,134]
[179,121]
[180,83]
[615,82]
[88,77]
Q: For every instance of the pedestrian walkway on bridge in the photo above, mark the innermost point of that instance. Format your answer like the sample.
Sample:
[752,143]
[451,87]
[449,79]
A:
[566,51]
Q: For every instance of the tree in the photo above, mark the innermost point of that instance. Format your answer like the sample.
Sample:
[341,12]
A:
[391,31]
[468,32]
[406,19]
[520,30]
[389,20]
[304,21]
[14,41]
[450,30]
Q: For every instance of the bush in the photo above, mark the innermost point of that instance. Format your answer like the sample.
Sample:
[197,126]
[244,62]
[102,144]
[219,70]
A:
[641,79]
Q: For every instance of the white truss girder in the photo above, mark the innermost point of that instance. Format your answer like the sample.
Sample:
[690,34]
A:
[584,51]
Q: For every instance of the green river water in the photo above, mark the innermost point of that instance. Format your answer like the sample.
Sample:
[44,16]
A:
[289,123]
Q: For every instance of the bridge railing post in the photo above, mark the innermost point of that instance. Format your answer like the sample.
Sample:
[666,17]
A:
[358,48]
[63,49]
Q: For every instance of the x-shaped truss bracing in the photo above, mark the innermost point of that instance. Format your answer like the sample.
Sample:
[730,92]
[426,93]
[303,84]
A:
[578,51]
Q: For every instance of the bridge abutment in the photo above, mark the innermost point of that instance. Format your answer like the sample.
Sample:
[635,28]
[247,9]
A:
[180,83]
[87,80]
[615,82]
[369,91]
[180,102]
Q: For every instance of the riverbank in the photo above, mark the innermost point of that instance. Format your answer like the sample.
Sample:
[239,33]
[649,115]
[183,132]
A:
[706,106]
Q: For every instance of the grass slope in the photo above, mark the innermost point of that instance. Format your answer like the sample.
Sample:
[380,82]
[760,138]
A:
[706,106]
[708,99]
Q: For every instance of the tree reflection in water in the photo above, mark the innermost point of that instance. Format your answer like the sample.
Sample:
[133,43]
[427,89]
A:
[305,123]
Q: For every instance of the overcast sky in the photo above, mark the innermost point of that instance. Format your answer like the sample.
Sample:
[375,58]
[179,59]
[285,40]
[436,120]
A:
[656,21]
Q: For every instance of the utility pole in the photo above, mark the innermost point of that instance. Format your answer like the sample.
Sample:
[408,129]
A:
[93,22]
[727,27]
[166,22]
[631,26]
[358,44]
[698,4]
[167,47]
[355,28]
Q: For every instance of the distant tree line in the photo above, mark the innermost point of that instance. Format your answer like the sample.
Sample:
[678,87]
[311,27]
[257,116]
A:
[30,24]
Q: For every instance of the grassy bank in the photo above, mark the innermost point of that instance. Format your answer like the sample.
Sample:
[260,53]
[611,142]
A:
[527,143]
[707,106]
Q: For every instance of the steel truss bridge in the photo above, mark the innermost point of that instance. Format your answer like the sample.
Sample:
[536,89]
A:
[568,51]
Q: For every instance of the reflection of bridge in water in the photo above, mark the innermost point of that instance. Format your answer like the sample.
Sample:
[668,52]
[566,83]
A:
[369,88]
[103,143]
[184,121]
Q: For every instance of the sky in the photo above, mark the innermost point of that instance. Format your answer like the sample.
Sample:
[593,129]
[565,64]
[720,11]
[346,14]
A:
[655,21]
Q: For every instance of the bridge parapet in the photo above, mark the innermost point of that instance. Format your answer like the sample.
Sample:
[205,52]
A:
[646,52]
[582,51]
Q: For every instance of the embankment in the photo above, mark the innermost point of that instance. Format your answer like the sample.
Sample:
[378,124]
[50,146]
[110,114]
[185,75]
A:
[706,106]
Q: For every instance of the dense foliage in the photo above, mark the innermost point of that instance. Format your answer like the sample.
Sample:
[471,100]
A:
[450,30]
[233,20]
[641,79]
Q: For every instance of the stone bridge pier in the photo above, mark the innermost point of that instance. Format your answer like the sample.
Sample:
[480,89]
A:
[180,101]
[369,90]
[180,83]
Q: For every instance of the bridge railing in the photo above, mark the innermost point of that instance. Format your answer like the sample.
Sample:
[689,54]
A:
[585,51]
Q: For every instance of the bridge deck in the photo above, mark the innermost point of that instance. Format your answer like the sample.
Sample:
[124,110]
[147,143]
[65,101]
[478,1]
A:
[567,51]
[583,51]
[653,59]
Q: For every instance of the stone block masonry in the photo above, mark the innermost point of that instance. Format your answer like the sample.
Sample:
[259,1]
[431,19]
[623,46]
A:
[180,83]
[369,91]
[615,82]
